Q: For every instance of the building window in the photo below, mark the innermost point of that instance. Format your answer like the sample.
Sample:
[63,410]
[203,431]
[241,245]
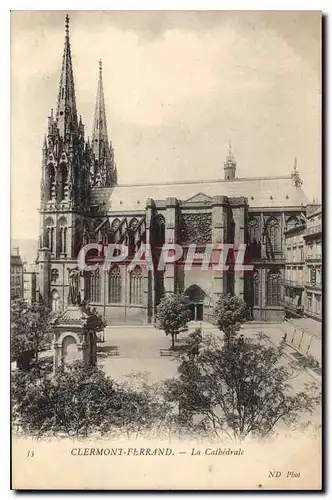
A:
[50,238]
[318,304]
[273,236]
[63,235]
[253,230]
[254,239]
[301,254]
[136,289]
[312,275]
[114,285]
[273,289]
[63,184]
[301,276]
[50,183]
[256,288]
[318,276]
[93,287]
[309,299]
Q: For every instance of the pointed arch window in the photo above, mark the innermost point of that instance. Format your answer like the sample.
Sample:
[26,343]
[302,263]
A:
[159,230]
[63,240]
[93,287]
[50,183]
[62,235]
[255,286]
[49,234]
[254,238]
[273,235]
[253,230]
[63,185]
[114,285]
[273,288]
[136,286]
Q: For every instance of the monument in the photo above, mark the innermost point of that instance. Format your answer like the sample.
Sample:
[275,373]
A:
[74,337]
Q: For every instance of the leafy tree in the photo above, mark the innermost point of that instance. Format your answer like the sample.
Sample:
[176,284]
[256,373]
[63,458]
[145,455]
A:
[230,312]
[173,315]
[31,332]
[237,390]
[78,402]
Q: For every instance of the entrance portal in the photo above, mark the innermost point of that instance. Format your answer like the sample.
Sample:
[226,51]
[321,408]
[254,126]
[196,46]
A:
[196,298]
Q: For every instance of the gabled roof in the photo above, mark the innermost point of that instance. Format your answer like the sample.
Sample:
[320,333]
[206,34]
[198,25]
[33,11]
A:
[73,315]
[262,192]
[199,198]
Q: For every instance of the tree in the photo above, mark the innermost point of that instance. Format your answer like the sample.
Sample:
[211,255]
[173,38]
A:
[173,315]
[237,390]
[230,312]
[31,332]
[77,402]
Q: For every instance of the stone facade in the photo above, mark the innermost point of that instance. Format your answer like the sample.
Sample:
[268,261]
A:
[82,203]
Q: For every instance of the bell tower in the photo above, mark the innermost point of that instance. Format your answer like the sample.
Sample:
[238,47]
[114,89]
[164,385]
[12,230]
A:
[65,178]
[230,165]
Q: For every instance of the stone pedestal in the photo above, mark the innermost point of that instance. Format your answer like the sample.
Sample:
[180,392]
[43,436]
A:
[74,337]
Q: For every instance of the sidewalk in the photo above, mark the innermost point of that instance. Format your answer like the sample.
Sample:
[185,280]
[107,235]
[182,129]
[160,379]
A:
[275,337]
[304,341]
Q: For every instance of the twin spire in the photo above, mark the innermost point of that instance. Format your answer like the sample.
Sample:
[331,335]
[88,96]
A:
[103,170]
[103,152]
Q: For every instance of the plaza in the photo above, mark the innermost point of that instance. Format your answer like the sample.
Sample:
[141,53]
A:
[129,350]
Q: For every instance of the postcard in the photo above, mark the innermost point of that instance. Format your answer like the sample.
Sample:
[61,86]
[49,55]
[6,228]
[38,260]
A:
[166,250]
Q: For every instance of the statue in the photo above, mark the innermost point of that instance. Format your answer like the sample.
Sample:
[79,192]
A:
[74,296]
[297,181]
[99,180]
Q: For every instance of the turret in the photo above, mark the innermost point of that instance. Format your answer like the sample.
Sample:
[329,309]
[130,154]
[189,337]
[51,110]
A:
[230,165]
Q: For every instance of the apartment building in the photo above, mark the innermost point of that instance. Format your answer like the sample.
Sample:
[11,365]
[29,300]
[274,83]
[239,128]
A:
[16,274]
[294,269]
[313,265]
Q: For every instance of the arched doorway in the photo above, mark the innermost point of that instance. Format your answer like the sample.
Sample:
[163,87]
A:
[196,298]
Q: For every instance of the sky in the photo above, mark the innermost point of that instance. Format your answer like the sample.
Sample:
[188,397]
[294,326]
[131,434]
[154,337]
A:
[179,87]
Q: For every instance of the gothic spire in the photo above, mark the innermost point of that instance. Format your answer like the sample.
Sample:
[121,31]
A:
[99,133]
[66,114]
[103,153]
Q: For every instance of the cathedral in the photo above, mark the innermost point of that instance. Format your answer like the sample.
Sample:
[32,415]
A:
[82,202]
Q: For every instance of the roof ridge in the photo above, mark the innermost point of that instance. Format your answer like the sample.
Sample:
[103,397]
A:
[206,181]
